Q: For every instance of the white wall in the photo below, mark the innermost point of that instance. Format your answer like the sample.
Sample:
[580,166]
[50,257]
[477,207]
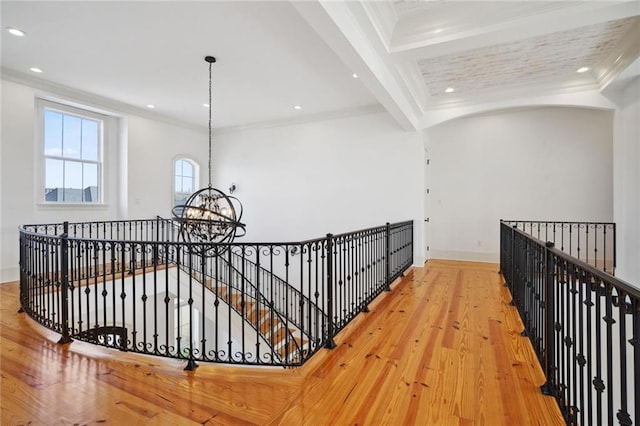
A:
[153,148]
[305,180]
[627,184]
[141,167]
[540,164]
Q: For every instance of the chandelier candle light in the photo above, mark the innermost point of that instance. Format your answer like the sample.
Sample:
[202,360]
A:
[210,215]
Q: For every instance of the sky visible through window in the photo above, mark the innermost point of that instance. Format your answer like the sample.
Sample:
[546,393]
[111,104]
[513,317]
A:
[71,148]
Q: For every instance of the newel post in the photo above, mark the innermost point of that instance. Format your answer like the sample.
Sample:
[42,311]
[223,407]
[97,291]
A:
[548,388]
[330,344]
[387,257]
[512,284]
[64,270]
[155,246]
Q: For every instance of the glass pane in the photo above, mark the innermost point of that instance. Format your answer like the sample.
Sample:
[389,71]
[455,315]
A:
[187,169]
[90,183]
[73,174]
[187,184]
[53,186]
[179,199]
[71,137]
[179,165]
[178,184]
[52,133]
[90,138]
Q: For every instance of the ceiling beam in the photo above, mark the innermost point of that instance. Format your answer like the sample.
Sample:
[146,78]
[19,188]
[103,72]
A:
[336,24]
[423,46]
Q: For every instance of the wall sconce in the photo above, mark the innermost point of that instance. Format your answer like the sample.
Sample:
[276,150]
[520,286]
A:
[232,188]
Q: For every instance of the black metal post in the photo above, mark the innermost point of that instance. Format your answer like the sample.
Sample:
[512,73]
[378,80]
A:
[387,256]
[614,250]
[330,344]
[64,268]
[23,278]
[155,246]
[548,388]
[501,248]
[512,284]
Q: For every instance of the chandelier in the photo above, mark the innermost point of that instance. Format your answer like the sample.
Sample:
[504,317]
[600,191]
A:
[210,215]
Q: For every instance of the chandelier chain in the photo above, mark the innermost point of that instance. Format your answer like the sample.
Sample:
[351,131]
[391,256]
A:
[210,107]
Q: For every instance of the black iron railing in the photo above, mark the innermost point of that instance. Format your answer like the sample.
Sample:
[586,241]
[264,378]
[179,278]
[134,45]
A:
[584,325]
[136,286]
[592,242]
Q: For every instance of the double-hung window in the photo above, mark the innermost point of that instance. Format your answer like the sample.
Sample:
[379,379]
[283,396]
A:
[72,147]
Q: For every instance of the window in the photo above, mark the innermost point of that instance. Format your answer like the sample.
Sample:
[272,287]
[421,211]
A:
[72,147]
[185,180]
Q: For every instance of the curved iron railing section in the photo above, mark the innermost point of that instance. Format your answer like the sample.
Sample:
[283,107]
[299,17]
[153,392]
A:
[584,325]
[135,286]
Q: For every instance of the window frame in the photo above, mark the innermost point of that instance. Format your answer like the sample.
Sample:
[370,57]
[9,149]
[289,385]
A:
[80,111]
[196,176]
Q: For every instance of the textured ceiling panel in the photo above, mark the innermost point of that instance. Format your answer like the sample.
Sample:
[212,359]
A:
[552,58]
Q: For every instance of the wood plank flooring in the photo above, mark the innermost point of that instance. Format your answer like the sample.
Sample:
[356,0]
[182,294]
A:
[443,348]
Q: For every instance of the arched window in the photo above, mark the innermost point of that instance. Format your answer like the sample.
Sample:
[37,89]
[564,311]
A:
[185,180]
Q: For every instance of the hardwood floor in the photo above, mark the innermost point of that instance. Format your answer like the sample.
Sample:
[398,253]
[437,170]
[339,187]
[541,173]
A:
[443,348]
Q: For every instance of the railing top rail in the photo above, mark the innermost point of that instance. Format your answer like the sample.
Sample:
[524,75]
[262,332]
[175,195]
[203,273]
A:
[125,221]
[24,229]
[560,222]
[602,275]
[375,228]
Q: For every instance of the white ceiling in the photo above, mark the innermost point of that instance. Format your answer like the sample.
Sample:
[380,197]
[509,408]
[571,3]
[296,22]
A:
[275,55]
[139,53]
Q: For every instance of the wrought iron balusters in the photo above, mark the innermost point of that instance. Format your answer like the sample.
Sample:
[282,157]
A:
[586,332]
[137,286]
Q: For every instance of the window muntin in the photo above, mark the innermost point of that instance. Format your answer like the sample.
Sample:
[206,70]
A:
[72,144]
[184,180]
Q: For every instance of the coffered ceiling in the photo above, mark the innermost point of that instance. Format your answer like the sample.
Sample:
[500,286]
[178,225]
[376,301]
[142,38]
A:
[451,53]
[275,55]
[550,60]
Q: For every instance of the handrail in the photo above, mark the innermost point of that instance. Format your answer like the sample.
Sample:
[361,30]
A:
[597,248]
[584,325]
[296,320]
[253,295]
[118,281]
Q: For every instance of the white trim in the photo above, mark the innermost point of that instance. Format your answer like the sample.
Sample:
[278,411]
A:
[468,256]
[196,175]
[72,206]
[43,104]
[310,118]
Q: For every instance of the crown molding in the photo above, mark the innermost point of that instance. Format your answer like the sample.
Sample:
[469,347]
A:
[103,105]
[99,103]
[309,118]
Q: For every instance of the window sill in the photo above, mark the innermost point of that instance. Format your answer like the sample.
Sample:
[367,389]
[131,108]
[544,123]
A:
[71,206]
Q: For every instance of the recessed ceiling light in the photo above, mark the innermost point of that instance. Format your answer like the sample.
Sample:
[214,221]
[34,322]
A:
[34,69]
[437,31]
[582,69]
[205,105]
[449,89]
[354,75]
[151,106]
[297,107]
[16,32]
